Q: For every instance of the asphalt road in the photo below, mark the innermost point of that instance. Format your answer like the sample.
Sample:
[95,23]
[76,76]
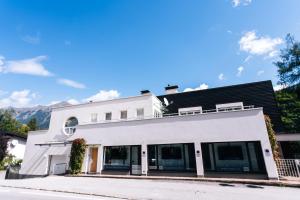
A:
[26,194]
[139,189]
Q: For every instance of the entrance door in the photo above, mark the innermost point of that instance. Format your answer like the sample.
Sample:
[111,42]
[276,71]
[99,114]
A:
[93,159]
[135,158]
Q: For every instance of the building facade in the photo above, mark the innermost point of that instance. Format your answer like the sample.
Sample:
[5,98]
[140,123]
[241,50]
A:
[173,134]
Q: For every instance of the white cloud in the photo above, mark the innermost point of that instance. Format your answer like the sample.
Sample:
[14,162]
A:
[260,72]
[31,66]
[221,76]
[255,45]
[203,86]
[103,95]
[71,83]
[240,70]
[18,99]
[32,39]
[236,3]
[279,87]
[247,59]
[73,101]
[2,92]
[1,60]
[229,31]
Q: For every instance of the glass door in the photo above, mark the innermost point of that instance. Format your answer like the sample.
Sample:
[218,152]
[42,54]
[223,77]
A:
[135,158]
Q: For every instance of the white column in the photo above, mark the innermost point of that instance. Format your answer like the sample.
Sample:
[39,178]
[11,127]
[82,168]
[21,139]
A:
[144,160]
[199,161]
[269,161]
[85,163]
[100,159]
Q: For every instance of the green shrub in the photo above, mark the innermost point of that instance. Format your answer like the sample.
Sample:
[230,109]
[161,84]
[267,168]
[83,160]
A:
[272,138]
[9,160]
[77,155]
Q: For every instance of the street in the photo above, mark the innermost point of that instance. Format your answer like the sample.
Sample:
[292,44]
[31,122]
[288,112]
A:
[139,189]
[25,194]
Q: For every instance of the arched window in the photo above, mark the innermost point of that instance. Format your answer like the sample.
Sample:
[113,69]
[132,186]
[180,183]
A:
[70,125]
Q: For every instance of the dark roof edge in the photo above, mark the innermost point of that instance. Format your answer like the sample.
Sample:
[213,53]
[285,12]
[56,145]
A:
[222,87]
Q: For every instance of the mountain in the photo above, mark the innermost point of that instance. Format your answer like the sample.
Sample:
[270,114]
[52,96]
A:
[41,113]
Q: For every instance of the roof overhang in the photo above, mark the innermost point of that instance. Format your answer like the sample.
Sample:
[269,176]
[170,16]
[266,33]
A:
[288,137]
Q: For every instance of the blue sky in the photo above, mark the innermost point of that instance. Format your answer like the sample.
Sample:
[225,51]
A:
[94,50]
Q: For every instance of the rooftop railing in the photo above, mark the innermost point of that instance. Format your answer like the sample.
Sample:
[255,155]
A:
[169,115]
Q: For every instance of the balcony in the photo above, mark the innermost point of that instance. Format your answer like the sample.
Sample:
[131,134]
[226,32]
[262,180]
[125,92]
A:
[171,115]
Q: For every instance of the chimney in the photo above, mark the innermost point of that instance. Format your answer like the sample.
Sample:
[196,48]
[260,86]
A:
[171,89]
[145,92]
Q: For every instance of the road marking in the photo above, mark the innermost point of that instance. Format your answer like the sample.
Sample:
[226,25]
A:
[60,195]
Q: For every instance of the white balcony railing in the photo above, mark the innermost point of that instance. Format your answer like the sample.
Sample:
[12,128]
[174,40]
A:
[204,112]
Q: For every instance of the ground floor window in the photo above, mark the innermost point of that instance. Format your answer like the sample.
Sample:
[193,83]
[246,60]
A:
[123,158]
[117,157]
[233,157]
[171,157]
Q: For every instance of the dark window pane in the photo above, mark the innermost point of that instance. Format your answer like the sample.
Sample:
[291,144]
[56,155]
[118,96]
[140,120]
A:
[230,153]
[171,153]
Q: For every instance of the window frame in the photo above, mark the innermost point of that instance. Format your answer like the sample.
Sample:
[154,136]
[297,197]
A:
[106,116]
[94,117]
[143,113]
[126,116]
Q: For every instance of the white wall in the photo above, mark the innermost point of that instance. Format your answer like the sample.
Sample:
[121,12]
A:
[247,125]
[83,112]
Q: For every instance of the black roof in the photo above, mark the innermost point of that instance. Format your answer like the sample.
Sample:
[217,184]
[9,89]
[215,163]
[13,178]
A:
[13,135]
[259,94]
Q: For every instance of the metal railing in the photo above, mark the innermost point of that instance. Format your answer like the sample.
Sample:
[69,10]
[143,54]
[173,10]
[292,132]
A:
[233,109]
[288,167]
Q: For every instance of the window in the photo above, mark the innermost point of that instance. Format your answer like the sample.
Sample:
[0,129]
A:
[157,114]
[124,114]
[171,153]
[94,117]
[70,125]
[108,116]
[190,111]
[230,153]
[140,113]
[117,158]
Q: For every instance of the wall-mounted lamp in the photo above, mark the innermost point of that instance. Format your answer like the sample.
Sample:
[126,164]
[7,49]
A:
[267,150]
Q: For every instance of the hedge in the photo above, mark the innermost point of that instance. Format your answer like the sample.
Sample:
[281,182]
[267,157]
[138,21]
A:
[77,155]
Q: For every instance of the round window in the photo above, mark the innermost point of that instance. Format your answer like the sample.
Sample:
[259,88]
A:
[70,126]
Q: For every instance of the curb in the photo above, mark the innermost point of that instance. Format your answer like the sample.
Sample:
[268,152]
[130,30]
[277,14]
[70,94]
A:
[241,181]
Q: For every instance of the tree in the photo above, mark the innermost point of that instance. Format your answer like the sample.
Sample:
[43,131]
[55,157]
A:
[32,124]
[23,129]
[8,123]
[3,147]
[289,64]
[289,104]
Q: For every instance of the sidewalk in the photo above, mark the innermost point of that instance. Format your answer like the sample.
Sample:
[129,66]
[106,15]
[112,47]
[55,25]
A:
[284,183]
[154,188]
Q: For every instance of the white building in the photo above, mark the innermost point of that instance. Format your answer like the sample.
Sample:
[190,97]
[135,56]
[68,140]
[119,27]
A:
[135,136]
